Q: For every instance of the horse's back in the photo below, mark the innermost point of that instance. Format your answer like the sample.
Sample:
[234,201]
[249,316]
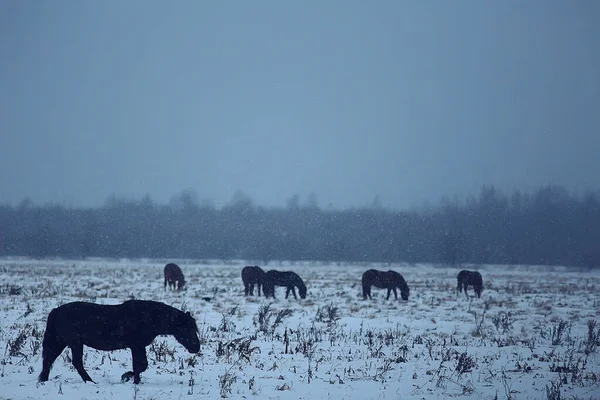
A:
[380,279]
[469,275]
[467,278]
[78,311]
[74,319]
[370,275]
[174,274]
[106,327]
[463,274]
[252,273]
[281,277]
[173,270]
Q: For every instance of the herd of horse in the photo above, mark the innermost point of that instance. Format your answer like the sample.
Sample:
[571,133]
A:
[134,324]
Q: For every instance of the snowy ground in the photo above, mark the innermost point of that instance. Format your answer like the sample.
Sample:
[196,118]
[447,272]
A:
[526,338]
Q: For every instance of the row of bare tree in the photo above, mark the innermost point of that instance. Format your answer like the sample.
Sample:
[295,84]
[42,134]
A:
[548,226]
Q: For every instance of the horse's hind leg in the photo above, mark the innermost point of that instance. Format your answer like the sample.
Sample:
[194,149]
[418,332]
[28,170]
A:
[77,352]
[50,353]
[140,364]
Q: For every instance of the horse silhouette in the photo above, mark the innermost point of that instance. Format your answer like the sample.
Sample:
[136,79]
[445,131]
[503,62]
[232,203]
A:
[250,277]
[133,324]
[289,279]
[174,277]
[467,278]
[390,280]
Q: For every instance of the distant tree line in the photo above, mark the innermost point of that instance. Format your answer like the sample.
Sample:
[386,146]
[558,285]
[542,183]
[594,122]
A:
[548,226]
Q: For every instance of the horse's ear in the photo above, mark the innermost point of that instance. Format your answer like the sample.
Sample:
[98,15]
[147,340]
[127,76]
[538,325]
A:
[188,313]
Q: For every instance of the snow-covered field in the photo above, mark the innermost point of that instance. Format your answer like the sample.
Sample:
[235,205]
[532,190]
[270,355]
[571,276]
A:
[528,337]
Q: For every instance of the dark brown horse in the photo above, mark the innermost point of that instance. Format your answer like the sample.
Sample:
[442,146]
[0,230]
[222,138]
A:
[390,280]
[252,275]
[133,325]
[289,279]
[466,278]
[174,277]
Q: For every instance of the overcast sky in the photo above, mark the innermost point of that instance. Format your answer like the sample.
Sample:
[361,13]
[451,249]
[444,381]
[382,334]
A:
[408,100]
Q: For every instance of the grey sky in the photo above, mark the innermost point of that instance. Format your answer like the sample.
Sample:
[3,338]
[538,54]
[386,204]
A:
[408,100]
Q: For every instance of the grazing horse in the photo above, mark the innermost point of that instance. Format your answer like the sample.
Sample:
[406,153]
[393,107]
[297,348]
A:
[133,324]
[469,278]
[174,276]
[250,276]
[289,279]
[389,280]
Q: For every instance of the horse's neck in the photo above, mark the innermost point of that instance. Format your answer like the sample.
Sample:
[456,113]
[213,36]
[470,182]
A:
[166,324]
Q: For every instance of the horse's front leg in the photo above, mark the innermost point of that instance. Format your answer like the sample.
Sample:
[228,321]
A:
[77,353]
[294,292]
[395,294]
[140,363]
[388,295]
[287,292]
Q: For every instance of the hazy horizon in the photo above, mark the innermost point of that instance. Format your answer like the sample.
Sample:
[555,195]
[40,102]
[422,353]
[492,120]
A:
[406,101]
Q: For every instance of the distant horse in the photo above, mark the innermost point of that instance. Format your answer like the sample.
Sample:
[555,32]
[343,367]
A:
[250,277]
[289,279]
[469,278]
[174,276]
[133,324]
[389,280]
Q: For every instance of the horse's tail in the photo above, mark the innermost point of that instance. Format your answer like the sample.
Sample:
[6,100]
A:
[365,287]
[49,346]
[50,335]
[461,281]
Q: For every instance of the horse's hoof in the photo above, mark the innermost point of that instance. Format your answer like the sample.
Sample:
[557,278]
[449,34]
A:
[126,377]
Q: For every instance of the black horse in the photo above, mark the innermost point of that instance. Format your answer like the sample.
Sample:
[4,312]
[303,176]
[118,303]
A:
[133,324]
[250,277]
[389,280]
[289,279]
[469,278]
[174,276]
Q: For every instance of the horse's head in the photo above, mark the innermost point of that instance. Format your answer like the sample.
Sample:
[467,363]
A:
[180,284]
[186,332]
[404,289]
[302,291]
[404,292]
